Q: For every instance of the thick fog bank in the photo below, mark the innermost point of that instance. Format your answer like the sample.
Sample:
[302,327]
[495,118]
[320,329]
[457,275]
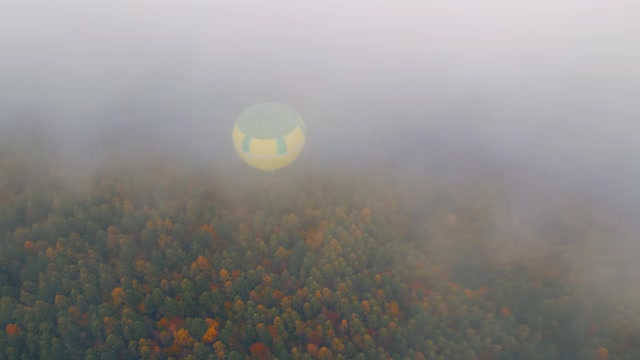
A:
[537,101]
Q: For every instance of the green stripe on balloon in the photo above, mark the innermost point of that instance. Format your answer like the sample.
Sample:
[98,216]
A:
[282,145]
[246,142]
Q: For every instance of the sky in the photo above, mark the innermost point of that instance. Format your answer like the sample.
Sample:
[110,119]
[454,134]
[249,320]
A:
[545,89]
[544,80]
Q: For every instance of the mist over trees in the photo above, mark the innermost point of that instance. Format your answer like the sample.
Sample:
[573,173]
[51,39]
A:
[159,260]
[468,187]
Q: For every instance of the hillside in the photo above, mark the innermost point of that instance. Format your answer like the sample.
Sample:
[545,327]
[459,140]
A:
[158,261]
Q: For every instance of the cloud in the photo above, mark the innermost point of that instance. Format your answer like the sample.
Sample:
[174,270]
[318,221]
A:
[541,90]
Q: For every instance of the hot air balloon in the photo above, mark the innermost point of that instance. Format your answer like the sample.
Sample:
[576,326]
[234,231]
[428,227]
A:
[269,136]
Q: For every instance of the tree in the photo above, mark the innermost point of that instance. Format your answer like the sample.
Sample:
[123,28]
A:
[12,329]
[259,351]
[183,338]
[220,349]
[211,333]
[117,296]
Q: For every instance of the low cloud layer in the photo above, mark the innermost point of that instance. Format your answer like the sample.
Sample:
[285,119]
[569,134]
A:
[546,90]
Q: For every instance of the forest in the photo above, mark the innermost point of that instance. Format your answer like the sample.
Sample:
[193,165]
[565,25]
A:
[155,260]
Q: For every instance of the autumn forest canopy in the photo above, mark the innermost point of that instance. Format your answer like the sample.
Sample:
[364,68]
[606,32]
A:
[157,259]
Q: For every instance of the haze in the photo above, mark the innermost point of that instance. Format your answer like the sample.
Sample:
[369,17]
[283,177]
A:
[543,89]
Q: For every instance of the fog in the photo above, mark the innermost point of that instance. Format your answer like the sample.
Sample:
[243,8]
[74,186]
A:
[541,90]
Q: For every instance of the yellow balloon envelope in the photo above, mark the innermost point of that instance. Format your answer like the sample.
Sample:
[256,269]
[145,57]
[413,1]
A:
[269,136]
